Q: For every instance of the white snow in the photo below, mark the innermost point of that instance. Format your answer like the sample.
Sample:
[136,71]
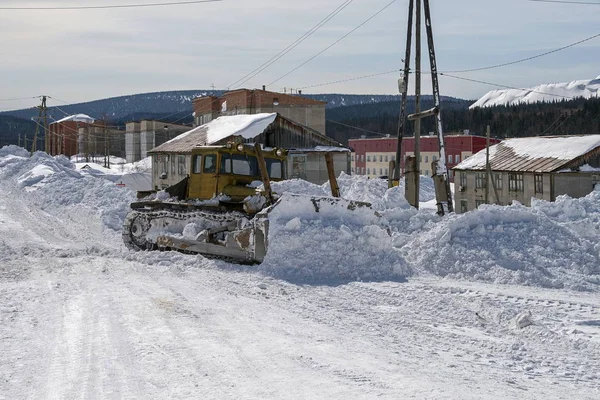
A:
[389,302]
[560,147]
[77,118]
[542,93]
[247,126]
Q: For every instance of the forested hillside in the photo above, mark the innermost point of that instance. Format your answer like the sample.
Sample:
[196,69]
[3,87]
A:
[573,117]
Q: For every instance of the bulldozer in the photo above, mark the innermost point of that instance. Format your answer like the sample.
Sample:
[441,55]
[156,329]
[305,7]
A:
[221,209]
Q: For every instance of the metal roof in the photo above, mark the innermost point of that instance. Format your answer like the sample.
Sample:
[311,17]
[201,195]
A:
[533,154]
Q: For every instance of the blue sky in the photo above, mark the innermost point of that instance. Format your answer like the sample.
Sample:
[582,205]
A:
[81,55]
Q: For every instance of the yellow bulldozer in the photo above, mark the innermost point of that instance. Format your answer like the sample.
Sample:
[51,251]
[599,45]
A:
[221,208]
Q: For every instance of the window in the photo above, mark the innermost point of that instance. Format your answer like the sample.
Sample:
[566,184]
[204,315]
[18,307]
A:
[369,158]
[210,163]
[368,171]
[197,164]
[386,158]
[463,179]
[449,159]
[480,180]
[434,158]
[380,171]
[450,173]
[173,165]
[165,163]
[498,181]
[463,206]
[387,171]
[539,183]
[426,158]
[515,182]
[352,170]
[352,157]
[275,168]
[426,172]
[181,165]
[457,158]
[362,157]
[479,203]
[394,158]
[244,165]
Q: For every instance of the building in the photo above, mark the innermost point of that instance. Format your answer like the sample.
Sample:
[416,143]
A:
[99,140]
[145,135]
[62,136]
[305,111]
[171,161]
[371,156]
[526,168]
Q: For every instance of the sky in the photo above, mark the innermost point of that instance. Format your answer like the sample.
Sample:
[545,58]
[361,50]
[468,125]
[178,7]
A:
[83,55]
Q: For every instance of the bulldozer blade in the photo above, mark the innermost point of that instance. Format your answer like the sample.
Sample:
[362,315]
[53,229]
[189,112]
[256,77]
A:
[209,249]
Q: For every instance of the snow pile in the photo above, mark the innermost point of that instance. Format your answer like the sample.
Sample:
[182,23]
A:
[542,93]
[512,245]
[56,186]
[327,241]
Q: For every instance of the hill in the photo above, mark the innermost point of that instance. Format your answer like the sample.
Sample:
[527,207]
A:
[549,92]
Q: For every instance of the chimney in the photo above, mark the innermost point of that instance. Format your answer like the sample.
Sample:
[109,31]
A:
[264,87]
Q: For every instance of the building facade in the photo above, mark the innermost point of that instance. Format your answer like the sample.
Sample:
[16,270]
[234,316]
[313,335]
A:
[526,168]
[171,161]
[371,156]
[142,136]
[302,110]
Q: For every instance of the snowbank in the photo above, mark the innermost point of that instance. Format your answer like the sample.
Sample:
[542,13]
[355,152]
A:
[554,245]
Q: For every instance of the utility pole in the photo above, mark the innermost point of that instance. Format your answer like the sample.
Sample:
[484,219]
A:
[417,175]
[403,87]
[488,171]
[42,117]
[439,167]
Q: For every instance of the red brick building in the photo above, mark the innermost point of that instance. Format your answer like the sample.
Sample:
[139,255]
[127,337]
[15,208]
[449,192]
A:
[371,156]
[63,135]
[305,111]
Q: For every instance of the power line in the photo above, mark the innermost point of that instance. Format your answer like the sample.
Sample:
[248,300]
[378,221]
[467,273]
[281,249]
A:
[566,2]
[173,3]
[355,127]
[20,98]
[527,58]
[350,79]
[289,48]
[334,43]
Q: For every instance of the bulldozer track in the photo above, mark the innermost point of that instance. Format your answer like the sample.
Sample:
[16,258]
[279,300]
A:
[138,222]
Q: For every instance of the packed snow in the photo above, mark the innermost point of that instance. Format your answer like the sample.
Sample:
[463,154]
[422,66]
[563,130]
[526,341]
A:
[77,118]
[351,302]
[542,93]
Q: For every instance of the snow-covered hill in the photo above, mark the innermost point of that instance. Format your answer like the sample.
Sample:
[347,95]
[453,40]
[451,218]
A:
[500,302]
[542,93]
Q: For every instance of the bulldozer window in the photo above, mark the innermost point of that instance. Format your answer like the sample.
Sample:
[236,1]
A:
[225,163]
[244,165]
[275,168]
[210,163]
[197,164]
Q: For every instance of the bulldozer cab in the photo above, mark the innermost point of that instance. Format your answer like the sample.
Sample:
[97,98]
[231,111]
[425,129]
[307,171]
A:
[230,170]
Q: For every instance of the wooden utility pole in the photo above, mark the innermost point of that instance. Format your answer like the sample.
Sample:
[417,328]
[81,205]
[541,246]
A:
[403,87]
[489,177]
[417,175]
[42,117]
[335,189]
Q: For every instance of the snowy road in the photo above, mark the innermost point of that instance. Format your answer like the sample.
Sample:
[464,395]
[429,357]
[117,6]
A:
[83,318]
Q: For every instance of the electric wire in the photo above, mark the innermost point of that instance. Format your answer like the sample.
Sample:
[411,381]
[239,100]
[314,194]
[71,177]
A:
[333,44]
[290,47]
[356,127]
[351,79]
[173,3]
[527,58]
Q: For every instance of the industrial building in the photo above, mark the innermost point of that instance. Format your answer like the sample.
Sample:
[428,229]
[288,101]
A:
[526,168]
[302,110]
[371,156]
[142,136]
[171,161]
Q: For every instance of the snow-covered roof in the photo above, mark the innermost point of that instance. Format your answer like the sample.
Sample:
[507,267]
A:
[535,154]
[543,93]
[247,126]
[77,118]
